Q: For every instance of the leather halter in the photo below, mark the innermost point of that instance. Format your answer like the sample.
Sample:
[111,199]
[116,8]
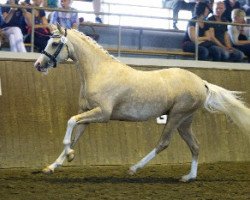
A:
[62,42]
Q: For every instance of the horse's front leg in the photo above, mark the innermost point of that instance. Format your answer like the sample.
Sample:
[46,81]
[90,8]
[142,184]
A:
[79,130]
[94,115]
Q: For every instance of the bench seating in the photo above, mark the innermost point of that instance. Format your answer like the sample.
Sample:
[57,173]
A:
[138,40]
[134,37]
[153,52]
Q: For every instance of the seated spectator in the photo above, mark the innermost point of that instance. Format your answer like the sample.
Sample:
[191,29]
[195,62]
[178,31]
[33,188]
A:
[181,5]
[238,34]
[50,3]
[220,36]
[14,26]
[1,16]
[230,5]
[205,45]
[41,32]
[1,21]
[65,19]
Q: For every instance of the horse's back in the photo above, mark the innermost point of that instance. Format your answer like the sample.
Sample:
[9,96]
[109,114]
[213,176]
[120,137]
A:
[175,80]
[153,93]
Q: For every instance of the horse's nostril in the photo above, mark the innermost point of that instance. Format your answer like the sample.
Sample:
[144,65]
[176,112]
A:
[37,65]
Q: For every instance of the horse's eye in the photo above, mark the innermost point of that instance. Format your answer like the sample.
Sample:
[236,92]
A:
[55,44]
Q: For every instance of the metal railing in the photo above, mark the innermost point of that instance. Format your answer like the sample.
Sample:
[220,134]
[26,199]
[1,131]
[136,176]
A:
[119,25]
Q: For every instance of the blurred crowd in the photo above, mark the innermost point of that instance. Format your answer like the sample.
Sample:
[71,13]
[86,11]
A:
[16,23]
[216,41]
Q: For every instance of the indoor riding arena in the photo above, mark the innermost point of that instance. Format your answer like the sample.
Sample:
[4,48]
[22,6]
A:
[34,111]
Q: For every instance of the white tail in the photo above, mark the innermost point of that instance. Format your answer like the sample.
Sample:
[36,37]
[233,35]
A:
[228,102]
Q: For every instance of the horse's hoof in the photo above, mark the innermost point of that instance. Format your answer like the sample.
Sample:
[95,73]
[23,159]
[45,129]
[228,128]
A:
[47,170]
[71,155]
[187,179]
[131,171]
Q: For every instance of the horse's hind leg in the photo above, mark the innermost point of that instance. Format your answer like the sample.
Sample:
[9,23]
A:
[173,122]
[79,130]
[186,133]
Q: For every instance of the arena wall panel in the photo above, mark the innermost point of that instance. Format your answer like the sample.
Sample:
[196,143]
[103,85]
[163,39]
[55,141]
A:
[34,109]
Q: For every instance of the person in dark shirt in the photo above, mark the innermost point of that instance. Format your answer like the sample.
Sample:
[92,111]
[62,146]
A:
[1,17]
[14,26]
[41,32]
[1,21]
[230,5]
[220,36]
[205,45]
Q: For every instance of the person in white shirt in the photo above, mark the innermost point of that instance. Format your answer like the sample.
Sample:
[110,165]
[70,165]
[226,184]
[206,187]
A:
[239,34]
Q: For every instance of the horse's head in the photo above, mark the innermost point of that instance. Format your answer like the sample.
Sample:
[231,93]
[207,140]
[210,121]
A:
[57,50]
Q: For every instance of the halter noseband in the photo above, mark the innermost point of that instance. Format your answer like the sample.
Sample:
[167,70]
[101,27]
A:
[63,42]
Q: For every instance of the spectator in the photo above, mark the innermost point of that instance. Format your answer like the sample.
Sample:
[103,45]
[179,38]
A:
[1,16]
[205,45]
[42,32]
[230,5]
[14,26]
[238,34]
[50,3]
[181,5]
[1,38]
[219,35]
[1,21]
[97,8]
[65,19]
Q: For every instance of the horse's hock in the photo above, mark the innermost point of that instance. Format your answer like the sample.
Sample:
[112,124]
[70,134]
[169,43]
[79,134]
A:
[34,110]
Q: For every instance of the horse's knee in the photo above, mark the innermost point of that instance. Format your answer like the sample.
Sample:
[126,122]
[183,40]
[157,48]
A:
[72,122]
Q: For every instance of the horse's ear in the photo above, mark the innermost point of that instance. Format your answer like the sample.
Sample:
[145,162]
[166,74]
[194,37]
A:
[52,28]
[59,28]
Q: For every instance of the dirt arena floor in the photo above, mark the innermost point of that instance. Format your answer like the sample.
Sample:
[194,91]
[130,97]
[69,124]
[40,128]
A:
[215,181]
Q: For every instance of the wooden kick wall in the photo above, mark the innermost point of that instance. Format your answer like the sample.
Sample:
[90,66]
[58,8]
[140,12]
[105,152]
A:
[34,109]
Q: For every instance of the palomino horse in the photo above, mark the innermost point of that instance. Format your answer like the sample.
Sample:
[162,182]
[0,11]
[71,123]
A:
[111,90]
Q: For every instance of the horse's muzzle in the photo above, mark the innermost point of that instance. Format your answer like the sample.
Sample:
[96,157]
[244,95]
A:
[39,67]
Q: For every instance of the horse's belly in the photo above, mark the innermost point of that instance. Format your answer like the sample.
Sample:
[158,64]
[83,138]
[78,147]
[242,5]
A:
[138,111]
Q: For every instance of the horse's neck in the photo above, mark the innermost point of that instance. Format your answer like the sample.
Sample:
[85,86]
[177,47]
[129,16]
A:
[89,55]
[90,58]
